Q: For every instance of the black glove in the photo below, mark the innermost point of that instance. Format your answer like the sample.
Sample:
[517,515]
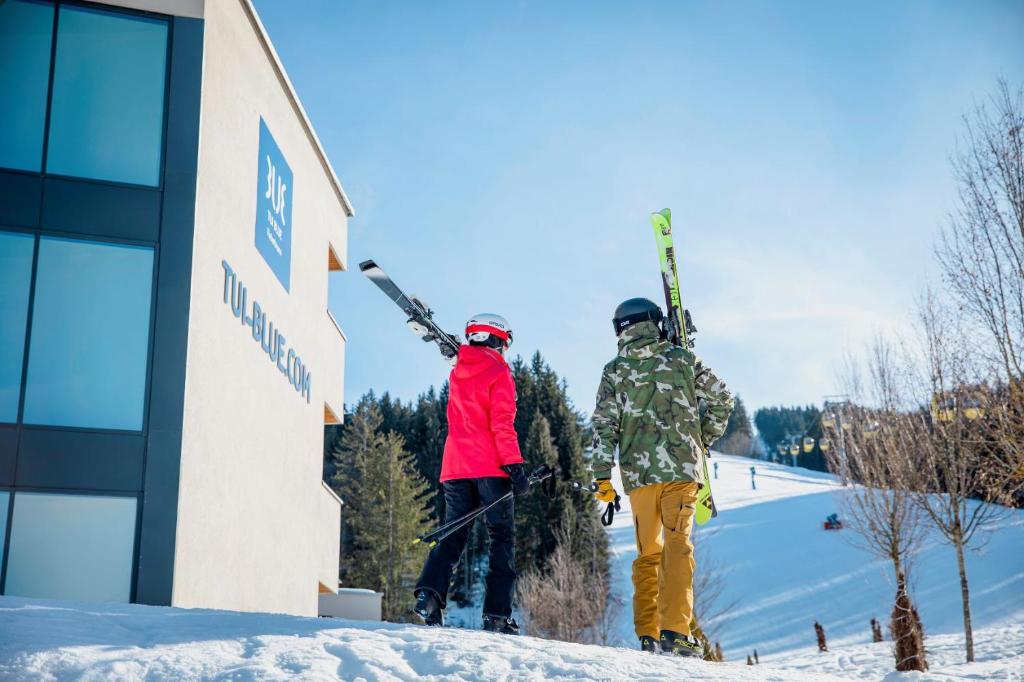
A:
[520,483]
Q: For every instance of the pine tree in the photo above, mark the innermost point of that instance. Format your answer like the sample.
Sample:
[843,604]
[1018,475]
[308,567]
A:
[542,393]
[738,438]
[777,425]
[385,510]
[537,515]
[425,438]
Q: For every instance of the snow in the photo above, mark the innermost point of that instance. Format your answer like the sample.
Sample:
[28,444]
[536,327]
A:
[42,640]
[999,655]
[782,570]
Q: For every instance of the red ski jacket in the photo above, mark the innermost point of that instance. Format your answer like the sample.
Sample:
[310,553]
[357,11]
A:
[481,416]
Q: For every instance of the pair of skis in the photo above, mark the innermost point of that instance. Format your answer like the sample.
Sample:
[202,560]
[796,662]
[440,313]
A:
[421,317]
[679,329]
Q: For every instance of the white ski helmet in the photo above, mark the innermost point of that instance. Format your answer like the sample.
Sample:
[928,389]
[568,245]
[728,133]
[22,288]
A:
[487,329]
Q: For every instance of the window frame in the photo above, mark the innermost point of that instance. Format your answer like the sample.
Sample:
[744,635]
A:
[28,319]
[49,93]
[99,6]
[13,491]
[151,328]
[7,536]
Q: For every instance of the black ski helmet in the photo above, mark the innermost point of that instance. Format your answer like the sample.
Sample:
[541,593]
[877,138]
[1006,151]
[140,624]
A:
[635,310]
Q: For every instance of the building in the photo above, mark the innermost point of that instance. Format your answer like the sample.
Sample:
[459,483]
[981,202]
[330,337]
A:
[168,224]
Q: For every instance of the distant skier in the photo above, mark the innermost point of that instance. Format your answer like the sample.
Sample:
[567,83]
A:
[481,463]
[662,408]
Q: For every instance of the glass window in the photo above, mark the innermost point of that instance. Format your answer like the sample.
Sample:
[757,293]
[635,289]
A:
[5,498]
[71,547]
[26,33]
[15,278]
[90,335]
[106,120]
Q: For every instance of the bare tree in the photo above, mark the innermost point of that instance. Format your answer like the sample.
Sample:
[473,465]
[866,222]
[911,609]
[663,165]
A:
[880,436]
[710,609]
[569,600]
[982,256]
[951,479]
[982,248]
[878,507]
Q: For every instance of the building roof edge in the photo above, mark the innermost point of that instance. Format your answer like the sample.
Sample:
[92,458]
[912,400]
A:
[282,75]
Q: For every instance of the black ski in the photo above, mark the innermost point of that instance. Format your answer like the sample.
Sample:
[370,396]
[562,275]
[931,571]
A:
[421,317]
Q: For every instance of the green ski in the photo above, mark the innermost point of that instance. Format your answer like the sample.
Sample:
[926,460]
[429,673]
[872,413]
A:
[678,329]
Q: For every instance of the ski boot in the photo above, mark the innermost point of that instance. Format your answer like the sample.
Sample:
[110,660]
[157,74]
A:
[649,644]
[504,626]
[680,645]
[428,607]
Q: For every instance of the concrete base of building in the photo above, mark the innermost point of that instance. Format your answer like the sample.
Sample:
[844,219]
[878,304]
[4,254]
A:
[351,603]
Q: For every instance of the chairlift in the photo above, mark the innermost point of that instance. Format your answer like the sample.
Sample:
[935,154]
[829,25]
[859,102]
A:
[794,449]
[947,406]
[824,444]
[808,444]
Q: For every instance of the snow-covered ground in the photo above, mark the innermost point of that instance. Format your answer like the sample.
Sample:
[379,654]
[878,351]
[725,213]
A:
[783,572]
[998,652]
[781,569]
[66,641]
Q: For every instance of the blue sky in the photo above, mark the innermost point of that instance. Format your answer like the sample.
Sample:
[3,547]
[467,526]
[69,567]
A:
[504,157]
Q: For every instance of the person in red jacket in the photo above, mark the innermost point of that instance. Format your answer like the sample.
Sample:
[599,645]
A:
[481,463]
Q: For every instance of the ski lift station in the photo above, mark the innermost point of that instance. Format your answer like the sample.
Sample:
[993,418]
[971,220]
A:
[168,225]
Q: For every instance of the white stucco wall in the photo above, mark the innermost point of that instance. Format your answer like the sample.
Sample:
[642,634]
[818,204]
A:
[255,527]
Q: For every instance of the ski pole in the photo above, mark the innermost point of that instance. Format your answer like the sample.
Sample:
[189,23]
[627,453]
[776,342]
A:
[438,534]
[441,532]
[542,473]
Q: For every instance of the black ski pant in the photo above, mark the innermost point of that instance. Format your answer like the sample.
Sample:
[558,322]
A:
[462,496]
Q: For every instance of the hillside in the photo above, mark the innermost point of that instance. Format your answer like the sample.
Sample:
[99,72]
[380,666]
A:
[783,571]
[780,568]
[42,640]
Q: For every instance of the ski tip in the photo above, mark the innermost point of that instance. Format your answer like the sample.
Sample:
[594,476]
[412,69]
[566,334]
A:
[366,265]
[661,223]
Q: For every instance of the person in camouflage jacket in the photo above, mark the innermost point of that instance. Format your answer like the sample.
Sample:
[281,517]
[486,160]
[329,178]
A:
[662,408]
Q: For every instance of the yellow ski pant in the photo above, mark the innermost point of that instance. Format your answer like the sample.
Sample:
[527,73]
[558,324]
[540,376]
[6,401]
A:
[663,569]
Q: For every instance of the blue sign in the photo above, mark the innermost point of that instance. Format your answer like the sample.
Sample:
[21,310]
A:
[274,207]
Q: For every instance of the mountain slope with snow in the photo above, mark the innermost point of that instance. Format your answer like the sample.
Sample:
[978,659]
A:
[42,640]
[783,571]
[779,567]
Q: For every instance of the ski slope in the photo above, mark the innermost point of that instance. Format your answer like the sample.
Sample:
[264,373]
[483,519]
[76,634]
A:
[42,640]
[783,572]
[780,569]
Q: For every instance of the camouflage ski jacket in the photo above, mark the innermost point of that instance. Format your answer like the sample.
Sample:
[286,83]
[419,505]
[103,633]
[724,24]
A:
[661,407]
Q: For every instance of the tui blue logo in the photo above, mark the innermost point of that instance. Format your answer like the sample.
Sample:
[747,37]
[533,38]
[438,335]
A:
[274,207]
